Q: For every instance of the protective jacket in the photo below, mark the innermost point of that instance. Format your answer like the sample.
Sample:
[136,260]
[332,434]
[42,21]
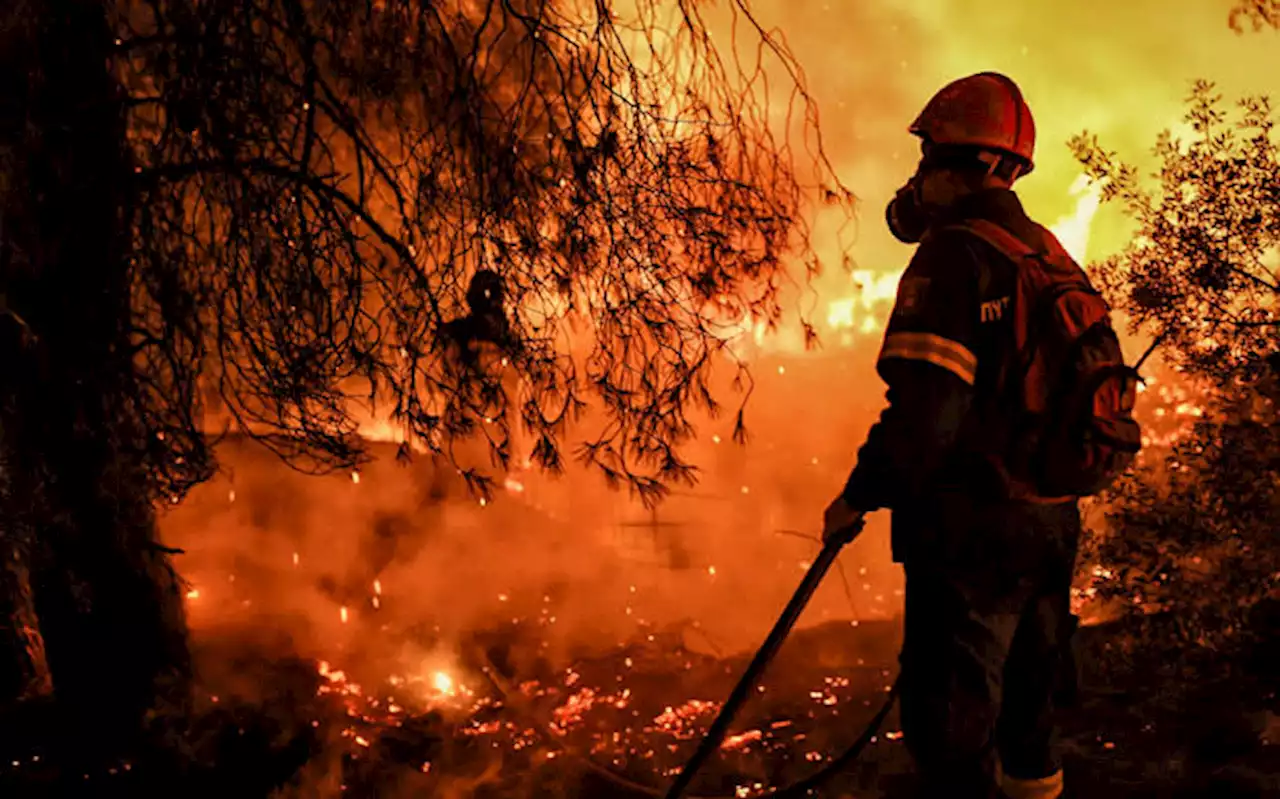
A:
[949,335]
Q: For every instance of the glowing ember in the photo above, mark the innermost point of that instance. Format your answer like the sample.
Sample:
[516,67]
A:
[572,711]
[682,722]
[194,593]
[342,612]
[741,741]
[355,477]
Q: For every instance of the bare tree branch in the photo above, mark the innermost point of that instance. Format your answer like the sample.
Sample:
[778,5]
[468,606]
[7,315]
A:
[317,184]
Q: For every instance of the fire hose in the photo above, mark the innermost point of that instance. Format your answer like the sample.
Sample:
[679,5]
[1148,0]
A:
[715,734]
[763,657]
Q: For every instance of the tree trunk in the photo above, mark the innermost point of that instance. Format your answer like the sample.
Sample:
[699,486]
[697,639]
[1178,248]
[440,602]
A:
[23,661]
[91,611]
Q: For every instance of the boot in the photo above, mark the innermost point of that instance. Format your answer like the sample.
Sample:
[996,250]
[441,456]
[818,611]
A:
[1050,787]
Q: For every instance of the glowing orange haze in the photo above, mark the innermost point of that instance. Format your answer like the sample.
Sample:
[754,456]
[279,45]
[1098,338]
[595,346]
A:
[570,555]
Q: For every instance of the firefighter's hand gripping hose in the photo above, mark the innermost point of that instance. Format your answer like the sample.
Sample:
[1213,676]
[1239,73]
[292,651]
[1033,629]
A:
[715,734]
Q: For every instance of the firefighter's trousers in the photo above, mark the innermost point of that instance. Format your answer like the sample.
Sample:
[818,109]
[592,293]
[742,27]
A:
[986,661]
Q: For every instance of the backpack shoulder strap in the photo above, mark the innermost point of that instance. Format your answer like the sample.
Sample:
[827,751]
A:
[1017,250]
[1009,245]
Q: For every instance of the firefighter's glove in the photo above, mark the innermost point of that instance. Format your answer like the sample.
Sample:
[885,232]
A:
[841,522]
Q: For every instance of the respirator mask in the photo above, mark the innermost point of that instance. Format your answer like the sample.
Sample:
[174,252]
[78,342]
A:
[906,213]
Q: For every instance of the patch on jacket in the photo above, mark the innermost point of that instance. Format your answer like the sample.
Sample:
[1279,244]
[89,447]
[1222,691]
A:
[911,293]
[993,310]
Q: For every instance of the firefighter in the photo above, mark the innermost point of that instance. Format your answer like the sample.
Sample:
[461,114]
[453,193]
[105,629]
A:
[988,569]
[479,348]
[485,324]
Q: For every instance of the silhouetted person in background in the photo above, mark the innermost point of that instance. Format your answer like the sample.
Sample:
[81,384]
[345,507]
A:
[485,323]
[397,537]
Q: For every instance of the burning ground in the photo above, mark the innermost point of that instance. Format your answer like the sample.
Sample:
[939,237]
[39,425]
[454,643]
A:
[574,673]
[441,644]
[510,710]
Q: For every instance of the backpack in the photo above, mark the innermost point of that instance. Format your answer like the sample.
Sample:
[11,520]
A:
[1067,395]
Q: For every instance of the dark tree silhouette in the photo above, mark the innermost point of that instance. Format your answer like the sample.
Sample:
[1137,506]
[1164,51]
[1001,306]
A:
[1196,532]
[269,209]
[91,626]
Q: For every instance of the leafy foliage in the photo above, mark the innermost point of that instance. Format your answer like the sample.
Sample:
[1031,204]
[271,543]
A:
[1258,13]
[1196,533]
[316,183]
[1201,274]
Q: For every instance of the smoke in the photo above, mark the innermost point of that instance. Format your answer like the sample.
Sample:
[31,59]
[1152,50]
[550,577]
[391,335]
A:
[360,561]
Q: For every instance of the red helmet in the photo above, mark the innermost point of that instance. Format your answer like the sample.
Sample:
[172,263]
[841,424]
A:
[984,110]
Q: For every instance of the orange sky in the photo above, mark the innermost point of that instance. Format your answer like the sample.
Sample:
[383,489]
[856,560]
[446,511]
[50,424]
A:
[1120,69]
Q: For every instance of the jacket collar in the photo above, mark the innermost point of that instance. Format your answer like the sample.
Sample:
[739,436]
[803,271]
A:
[996,205]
